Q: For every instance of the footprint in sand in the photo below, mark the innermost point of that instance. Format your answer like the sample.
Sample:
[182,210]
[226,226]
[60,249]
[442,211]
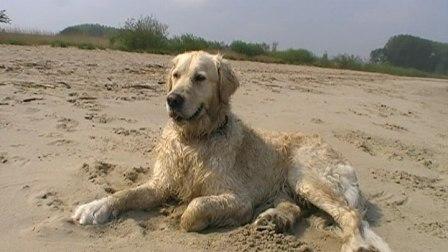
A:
[436,228]
[51,135]
[392,149]
[381,200]
[110,175]
[248,238]
[32,110]
[85,101]
[386,111]
[61,142]
[428,186]
[358,113]
[104,118]
[67,124]
[4,123]
[50,199]
[40,65]
[388,199]
[391,126]
[133,173]
[442,135]
[317,120]
[97,170]
[47,156]
[130,132]
[16,160]
[3,157]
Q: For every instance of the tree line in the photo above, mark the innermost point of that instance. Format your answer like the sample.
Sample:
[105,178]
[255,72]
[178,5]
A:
[413,52]
[401,55]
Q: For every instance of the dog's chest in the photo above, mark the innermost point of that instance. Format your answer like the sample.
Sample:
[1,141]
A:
[198,167]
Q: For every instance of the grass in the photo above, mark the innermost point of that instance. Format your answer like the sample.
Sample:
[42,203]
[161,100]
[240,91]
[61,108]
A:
[399,71]
[238,50]
[32,38]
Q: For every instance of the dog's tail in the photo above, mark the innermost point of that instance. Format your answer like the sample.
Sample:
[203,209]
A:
[347,183]
[373,239]
[325,224]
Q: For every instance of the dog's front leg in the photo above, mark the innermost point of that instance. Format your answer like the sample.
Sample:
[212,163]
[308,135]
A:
[145,196]
[221,210]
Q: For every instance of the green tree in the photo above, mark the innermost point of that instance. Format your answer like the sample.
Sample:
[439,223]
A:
[413,52]
[142,34]
[410,51]
[377,56]
[4,18]
[94,30]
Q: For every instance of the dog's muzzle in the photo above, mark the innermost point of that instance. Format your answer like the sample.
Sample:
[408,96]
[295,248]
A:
[175,101]
[178,117]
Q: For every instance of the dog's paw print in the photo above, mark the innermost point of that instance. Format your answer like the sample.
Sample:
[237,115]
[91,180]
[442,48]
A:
[49,199]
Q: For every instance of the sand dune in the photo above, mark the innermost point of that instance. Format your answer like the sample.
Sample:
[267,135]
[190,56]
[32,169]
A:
[76,125]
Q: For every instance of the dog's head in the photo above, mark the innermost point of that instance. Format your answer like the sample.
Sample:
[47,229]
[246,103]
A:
[199,88]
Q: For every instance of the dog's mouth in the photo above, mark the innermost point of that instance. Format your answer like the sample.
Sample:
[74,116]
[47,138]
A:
[178,117]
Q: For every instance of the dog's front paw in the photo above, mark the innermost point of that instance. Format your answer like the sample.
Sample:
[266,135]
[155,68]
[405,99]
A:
[273,219]
[95,212]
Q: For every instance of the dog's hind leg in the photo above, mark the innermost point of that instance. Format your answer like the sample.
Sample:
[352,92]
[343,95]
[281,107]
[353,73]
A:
[318,193]
[355,232]
[282,216]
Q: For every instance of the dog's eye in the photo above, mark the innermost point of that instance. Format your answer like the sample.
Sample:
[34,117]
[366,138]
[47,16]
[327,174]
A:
[199,77]
[176,75]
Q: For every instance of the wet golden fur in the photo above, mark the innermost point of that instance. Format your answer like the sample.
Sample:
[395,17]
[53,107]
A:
[223,169]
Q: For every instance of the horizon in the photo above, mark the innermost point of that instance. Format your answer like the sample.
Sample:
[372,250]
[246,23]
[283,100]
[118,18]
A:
[349,26]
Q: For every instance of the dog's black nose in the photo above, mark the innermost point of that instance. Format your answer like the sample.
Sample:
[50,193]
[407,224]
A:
[175,101]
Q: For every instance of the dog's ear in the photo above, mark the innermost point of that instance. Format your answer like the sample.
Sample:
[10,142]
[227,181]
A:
[228,82]
[169,75]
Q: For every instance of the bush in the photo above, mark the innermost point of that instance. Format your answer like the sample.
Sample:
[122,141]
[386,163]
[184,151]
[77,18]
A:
[143,34]
[14,42]
[249,49]
[189,42]
[323,61]
[295,56]
[86,46]
[348,62]
[59,43]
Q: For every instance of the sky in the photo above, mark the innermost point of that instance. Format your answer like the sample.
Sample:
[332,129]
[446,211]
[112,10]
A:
[333,26]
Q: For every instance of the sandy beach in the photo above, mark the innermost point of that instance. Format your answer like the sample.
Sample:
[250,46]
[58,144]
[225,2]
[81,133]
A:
[77,125]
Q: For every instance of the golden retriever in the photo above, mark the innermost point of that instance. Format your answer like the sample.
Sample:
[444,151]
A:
[223,169]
